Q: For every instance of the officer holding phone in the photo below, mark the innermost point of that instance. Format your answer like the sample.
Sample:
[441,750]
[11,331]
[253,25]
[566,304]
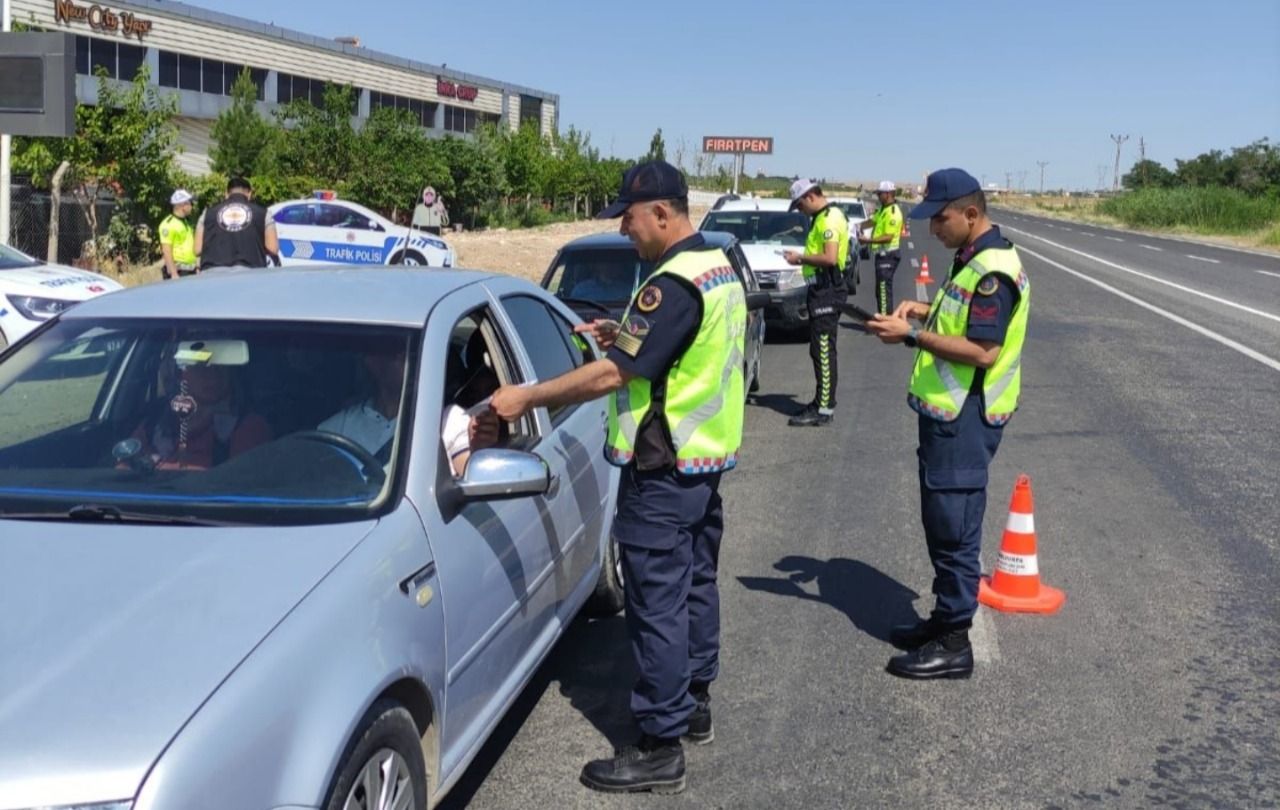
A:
[674,376]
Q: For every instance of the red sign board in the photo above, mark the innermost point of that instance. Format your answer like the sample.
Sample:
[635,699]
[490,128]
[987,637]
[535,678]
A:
[462,92]
[720,144]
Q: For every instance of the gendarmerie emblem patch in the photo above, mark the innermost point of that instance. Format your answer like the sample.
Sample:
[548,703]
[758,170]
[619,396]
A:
[650,299]
[988,285]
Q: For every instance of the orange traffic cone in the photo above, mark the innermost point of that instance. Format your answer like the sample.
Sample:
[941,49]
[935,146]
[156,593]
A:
[1015,587]
[923,277]
[906,229]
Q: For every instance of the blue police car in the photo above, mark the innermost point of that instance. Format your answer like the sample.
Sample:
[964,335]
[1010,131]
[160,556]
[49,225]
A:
[329,230]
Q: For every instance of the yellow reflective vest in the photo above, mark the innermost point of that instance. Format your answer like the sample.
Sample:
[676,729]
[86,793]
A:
[888,221]
[703,393]
[828,224]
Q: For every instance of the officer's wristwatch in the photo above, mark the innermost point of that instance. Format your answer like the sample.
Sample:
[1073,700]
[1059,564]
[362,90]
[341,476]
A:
[912,338]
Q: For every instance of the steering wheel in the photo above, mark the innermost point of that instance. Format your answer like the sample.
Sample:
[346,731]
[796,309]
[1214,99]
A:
[370,467]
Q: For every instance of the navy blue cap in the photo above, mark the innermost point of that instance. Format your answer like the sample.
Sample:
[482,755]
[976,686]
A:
[942,187]
[656,180]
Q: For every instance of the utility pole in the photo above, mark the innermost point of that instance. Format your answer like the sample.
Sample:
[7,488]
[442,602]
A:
[1042,164]
[1102,176]
[1008,181]
[5,143]
[1142,158]
[1119,141]
[1022,180]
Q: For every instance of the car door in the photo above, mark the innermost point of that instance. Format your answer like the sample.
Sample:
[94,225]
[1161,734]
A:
[572,443]
[349,236]
[296,229]
[755,317]
[491,555]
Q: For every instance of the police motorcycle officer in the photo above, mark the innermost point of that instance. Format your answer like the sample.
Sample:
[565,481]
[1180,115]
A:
[673,375]
[237,231]
[885,241]
[826,254]
[964,388]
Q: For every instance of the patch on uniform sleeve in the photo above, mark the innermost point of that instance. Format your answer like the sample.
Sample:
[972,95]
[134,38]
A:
[631,337]
[650,298]
[628,343]
[828,235]
[988,285]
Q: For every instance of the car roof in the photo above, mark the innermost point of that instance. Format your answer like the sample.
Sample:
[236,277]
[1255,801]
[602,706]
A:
[755,204]
[313,201]
[616,241]
[332,293]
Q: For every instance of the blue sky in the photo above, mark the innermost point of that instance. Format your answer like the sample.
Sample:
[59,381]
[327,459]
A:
[861,90]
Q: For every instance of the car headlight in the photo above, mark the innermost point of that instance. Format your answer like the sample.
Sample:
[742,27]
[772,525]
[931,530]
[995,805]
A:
[38,309]
[790,279]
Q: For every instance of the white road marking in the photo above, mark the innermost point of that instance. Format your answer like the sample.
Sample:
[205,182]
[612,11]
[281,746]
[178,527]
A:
[1115,239]
[1269,273]
[1252,354]
[1153,247]
[1190,290]
[986,648]
[1065,228]
[1203,259]
[1050,225]
[915,262]
[911,246]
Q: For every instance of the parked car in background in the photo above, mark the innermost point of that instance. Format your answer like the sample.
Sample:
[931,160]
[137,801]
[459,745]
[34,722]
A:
[246,573]
[597,275]
[330,230]
[32,292]
[764,230]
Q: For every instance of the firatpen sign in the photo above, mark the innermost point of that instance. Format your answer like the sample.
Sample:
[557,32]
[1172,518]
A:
[101,18]
[722,145]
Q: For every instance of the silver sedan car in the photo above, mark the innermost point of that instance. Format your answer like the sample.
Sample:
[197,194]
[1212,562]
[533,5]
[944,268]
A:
[259,550]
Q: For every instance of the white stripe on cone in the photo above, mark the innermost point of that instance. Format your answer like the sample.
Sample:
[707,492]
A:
[1021,524]
[1018,565]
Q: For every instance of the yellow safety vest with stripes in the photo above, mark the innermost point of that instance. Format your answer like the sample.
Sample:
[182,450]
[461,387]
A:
[939,387]
[888,222]
[704,389]
[829,224]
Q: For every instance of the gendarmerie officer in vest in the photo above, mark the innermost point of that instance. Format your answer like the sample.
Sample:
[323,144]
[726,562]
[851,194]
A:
[964,387]
[826,252]
[884,243]
[237,231]
[673,373]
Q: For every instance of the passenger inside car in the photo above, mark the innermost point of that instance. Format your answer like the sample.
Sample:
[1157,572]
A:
[204,422]
[469,381]
[371,422]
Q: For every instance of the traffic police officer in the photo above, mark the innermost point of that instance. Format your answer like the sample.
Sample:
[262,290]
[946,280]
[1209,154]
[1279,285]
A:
[237,231]
[886,237]
[673,370]
[964,388]
[826,253]
[178,238]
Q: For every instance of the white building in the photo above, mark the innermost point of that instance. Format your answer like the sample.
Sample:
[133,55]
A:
[198,53]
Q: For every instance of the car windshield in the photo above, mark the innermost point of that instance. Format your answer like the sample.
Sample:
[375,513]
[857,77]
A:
[605,276]
[853,210]
[258,423]
[11,259]
[764,227]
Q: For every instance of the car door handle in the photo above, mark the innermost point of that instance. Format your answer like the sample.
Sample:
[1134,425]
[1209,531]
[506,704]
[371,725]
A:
[415,584]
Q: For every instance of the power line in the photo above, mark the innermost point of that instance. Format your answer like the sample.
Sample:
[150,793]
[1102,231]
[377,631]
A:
[1042,164]
[1119,141]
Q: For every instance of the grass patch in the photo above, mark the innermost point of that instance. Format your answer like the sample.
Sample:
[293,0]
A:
[1205,210]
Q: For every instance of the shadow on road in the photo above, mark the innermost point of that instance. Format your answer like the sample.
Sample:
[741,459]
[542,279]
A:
[785,404]
[593,665]
[873,600]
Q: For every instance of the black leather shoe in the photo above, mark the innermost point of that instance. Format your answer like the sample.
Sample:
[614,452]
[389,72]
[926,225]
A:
[700,732]
[948,656]
[810,417]
[911,636]
[653,765]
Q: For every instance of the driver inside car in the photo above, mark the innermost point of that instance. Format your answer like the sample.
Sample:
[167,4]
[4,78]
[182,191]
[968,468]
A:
[205,422]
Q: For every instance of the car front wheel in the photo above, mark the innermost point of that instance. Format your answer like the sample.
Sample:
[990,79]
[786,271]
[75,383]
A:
[410,258]
[610,593]
[384,770]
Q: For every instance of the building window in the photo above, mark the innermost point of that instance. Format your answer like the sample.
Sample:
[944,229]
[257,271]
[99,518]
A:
[422,112]
[211,78]
[119,60]
[457,119]
[168,69]
[201,75]
[291,88]
[189,72]
[531,110]
[102,54]
[82,56]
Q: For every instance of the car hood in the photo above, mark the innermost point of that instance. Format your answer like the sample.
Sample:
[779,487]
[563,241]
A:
[55,281]
[765,256]
[114,635]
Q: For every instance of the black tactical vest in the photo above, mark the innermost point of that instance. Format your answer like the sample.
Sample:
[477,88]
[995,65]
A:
[233,234]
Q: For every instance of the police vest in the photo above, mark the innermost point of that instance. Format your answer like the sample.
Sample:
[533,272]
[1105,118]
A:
[234,231]
[888,221]
[175,232]
[702,395]
[828,224]
[939,387]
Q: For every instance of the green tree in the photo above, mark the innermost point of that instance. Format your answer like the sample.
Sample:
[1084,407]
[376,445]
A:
[319,142]
[1208,169]
[657,147]
[396,160]
[243,139]
[123,147]
[475,166]
[526,156]
[1148,174]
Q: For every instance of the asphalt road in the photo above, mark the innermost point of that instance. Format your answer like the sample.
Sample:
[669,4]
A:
[1148,426]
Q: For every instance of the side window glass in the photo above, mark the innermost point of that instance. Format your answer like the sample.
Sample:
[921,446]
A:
[294,215]
[543,339]
[476,362]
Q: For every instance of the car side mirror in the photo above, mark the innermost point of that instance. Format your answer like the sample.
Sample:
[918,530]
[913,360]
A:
[497,473]
[757,300]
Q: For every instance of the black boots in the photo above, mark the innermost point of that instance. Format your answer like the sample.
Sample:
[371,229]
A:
[700,732]
[911,636]
[810,417]
[943,656]
[653,764]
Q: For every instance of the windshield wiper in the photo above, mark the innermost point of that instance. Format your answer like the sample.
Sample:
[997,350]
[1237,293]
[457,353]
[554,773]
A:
[91,513]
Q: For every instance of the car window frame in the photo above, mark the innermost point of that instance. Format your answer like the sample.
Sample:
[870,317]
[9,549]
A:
[558,415]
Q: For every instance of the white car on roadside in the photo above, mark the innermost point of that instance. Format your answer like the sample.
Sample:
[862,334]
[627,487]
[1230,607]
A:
[315,231]
[32,292]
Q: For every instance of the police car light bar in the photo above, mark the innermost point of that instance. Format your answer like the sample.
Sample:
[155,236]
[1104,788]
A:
[324,194]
